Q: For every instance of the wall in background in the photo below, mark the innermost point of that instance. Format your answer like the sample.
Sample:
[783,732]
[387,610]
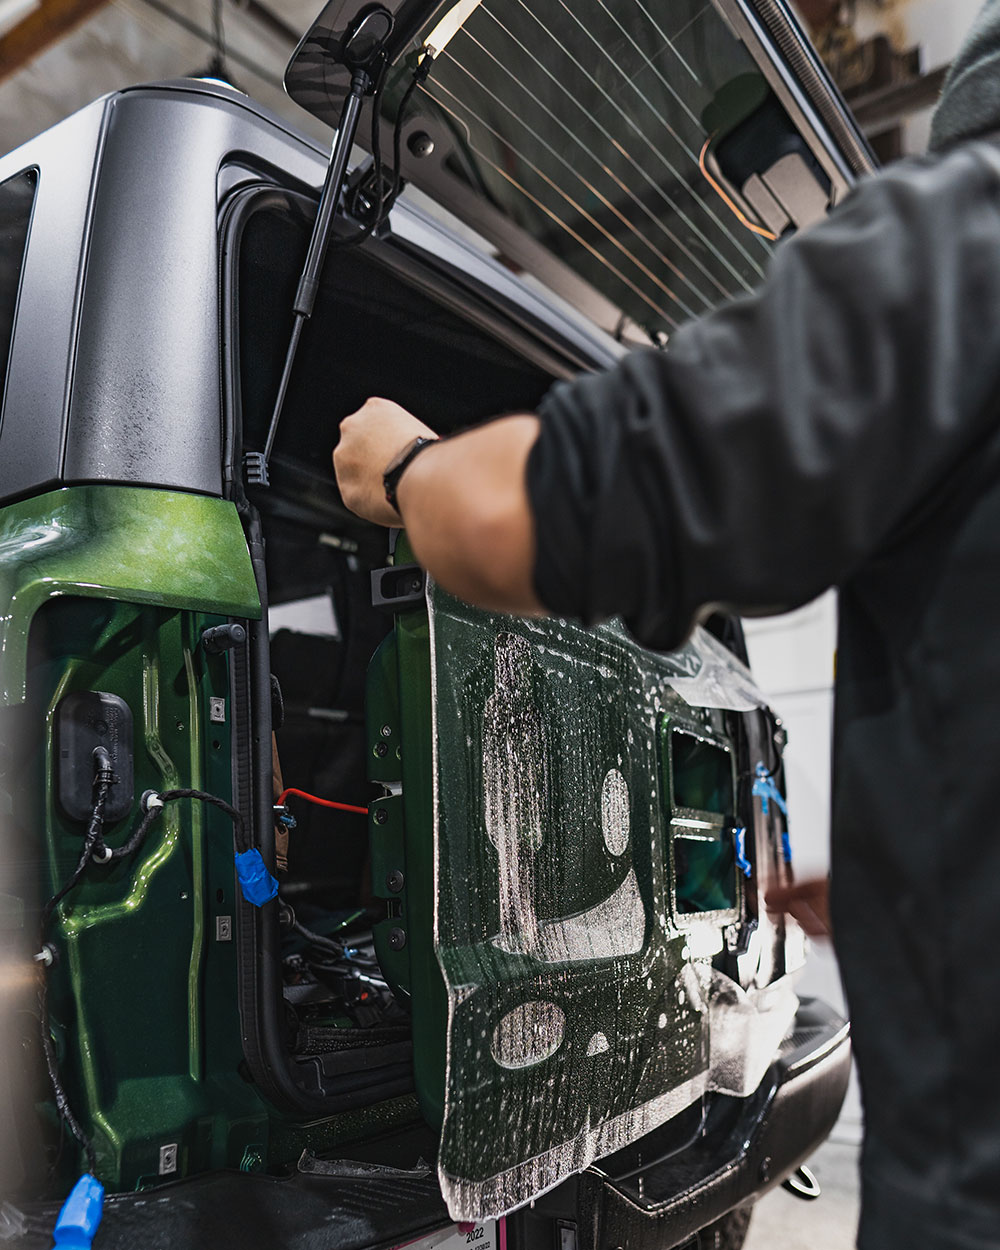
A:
[937,27]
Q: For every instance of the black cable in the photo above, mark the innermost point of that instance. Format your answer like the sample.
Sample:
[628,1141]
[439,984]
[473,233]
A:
[218,38]
[94,848]
[203,796]
[63,1108]
[153,809]
[316,939]
[419,76]
[161,7]
[104,779]
[383,197]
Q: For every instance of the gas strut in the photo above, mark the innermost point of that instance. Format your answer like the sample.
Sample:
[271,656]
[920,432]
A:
[361,52]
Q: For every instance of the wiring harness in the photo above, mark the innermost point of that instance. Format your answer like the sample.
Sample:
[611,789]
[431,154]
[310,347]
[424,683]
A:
[96,851]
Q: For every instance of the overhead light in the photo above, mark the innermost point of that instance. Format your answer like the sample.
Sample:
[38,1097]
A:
[449,26]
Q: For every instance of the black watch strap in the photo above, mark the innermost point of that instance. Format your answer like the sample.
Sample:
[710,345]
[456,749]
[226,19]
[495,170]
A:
[398,466]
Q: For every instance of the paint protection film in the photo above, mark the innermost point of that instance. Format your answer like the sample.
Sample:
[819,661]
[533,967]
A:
[581,1008]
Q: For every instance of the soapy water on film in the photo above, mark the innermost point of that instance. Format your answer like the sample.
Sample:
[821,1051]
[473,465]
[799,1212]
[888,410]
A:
[557,1052]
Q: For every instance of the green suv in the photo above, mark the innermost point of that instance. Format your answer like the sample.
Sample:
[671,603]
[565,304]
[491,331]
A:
[333,912]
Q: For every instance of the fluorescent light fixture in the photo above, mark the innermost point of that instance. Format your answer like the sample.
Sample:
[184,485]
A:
[449,26]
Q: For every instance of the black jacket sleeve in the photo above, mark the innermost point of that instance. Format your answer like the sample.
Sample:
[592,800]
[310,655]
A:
[781,441]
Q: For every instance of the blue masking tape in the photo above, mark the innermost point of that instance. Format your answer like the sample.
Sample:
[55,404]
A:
[81,1214]
[766,789]
[257,884]
[742,862]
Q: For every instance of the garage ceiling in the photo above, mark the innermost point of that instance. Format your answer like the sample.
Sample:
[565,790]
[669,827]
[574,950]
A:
[58,55]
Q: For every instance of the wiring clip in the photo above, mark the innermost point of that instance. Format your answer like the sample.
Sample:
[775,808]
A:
[283,816]
[46,956]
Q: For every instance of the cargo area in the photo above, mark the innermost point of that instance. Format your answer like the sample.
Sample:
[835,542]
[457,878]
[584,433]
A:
[379,329]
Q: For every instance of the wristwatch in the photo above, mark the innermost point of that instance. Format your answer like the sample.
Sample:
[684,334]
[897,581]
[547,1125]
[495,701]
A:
[399,464]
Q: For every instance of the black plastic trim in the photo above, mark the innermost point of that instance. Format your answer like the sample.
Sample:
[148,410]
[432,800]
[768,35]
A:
[748,1146]
[276,1072]
[816,82]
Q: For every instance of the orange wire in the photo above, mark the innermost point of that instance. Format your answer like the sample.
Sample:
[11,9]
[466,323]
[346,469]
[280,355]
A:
[767,234]
[341,807]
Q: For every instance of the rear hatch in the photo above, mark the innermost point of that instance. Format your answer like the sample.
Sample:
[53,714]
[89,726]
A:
[580,939]
[573,862]
[639,159]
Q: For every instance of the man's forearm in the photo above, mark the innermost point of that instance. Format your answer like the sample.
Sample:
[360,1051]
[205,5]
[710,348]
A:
[466,510]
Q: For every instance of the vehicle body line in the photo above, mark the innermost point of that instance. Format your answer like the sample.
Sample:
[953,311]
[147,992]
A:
[86,241]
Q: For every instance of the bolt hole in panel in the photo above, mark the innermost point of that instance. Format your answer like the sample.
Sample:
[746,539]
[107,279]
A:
[582,1007]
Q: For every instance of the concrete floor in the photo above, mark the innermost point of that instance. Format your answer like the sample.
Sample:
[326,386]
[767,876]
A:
[783,1222]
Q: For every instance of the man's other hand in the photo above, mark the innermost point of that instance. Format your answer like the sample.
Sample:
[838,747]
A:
[808,902]
[369,439]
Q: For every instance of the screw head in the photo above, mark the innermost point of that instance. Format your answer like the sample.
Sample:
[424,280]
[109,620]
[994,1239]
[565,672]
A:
[381,815]
[397,939]
[386,731]
[394,881]
[381,749]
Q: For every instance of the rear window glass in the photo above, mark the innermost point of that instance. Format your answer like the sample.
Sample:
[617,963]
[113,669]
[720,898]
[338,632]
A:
[590,130]
[17,195]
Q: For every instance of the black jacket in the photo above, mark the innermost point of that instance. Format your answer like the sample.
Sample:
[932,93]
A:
[843,428]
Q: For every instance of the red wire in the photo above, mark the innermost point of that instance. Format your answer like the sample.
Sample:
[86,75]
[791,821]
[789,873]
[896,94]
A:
[341,807]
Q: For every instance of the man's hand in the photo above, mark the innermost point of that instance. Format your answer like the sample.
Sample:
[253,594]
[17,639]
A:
[464,503]
[369,439]
[808,902]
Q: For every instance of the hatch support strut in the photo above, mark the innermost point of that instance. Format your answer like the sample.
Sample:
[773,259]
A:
[362,53]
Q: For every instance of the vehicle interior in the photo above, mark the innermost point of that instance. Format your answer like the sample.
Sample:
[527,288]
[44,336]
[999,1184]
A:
[382,325]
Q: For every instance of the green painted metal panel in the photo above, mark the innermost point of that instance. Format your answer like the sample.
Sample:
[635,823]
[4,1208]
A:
[165,548]
[143,997]
[571,1018]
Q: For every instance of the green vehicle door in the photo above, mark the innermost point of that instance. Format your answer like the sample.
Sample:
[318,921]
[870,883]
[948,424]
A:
[562,987]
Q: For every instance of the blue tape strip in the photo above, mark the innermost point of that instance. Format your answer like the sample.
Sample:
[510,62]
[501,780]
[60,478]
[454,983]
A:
[257,884]
[81,1214]
[766,789]
[742,862]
